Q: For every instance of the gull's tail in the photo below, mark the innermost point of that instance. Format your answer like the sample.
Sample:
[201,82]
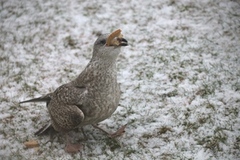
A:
[45,98]
[48,127]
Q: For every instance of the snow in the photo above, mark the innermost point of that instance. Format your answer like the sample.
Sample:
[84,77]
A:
[179,76]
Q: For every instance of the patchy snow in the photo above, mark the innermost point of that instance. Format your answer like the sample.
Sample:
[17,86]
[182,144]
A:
[179,76]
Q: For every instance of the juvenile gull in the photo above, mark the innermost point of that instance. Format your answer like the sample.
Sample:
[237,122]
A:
[92,97]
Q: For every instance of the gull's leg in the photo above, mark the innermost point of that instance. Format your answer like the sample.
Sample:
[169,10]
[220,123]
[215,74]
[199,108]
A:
[118,133]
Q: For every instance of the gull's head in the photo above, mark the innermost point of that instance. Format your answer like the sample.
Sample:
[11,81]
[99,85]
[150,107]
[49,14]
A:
[108,46]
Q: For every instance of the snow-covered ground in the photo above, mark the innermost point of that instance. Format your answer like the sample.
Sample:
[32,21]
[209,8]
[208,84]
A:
[180,76]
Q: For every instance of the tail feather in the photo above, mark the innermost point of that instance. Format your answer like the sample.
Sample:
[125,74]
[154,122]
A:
[45,129]
[45,98]
[48,127]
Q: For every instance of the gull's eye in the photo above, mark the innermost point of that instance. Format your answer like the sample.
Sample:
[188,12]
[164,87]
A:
[103,41]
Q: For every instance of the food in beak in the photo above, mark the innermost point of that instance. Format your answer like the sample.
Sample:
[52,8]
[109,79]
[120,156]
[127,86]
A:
[116,39]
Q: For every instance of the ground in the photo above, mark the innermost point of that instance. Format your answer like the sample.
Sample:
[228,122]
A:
[180,76]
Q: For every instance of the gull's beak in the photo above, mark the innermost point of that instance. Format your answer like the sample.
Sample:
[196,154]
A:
[122,41]
[116,39]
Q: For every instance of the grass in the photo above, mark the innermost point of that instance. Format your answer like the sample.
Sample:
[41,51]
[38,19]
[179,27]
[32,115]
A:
[179,77]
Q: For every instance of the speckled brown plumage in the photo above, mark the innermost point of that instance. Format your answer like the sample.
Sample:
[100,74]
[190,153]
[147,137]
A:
[93,96]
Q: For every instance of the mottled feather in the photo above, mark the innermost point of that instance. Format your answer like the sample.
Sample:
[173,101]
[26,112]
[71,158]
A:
[92,97]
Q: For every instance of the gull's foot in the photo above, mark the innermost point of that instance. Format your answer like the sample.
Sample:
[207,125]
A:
[119,132]
[73,148]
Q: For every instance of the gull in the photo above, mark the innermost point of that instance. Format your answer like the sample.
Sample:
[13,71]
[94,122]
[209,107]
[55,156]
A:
[90,98]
